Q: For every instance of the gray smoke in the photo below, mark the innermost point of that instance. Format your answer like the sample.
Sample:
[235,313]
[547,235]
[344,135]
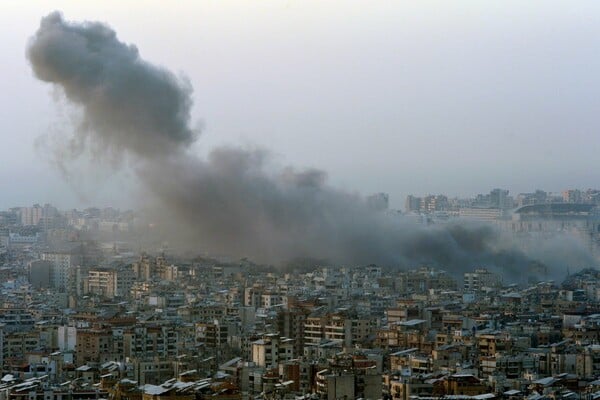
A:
[234,201]
[129,104]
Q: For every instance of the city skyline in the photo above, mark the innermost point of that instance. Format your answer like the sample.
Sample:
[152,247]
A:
[299,199]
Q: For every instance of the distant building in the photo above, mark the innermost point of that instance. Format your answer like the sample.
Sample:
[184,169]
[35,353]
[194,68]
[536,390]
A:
[212,335]
[64,263]
[66,338]
[572,196]
[432,203]
[428,204]
[271,350]
[40,274]
[412,203]
[484,214]
[31,215]
[378,201]
[479,279]
[16,320]
[537,197]
[499,199]
[108,282]
[350,377]
[17,239]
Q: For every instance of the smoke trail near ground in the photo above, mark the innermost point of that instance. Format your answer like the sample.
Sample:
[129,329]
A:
[233,201]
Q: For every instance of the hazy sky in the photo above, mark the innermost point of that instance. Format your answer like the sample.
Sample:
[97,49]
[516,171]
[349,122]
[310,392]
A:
[402,97]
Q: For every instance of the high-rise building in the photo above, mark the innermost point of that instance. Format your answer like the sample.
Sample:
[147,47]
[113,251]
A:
[412,203]
[538,197]
[31,215]
[378,201]
[64,265]
[572,196]
[109,282]
[479,279]
[432,203]
[499,199]
[40,274]
[272,350]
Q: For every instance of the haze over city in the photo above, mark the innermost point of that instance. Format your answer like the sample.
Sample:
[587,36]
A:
[427,97]
[135,116]
[299,200]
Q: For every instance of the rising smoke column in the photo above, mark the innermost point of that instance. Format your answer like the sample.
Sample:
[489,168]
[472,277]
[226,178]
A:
[129,105]
[231,202]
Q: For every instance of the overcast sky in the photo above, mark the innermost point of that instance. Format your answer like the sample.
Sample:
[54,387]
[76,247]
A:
[401,97]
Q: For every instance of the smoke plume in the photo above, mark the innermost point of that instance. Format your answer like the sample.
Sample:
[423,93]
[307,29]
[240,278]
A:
[233,201]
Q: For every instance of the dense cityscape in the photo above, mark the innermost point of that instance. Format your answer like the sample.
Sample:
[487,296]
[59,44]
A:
[236,256]
[92,310]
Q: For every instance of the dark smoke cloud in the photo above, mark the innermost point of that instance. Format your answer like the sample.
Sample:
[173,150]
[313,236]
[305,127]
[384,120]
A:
[234,202]
[129,105]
